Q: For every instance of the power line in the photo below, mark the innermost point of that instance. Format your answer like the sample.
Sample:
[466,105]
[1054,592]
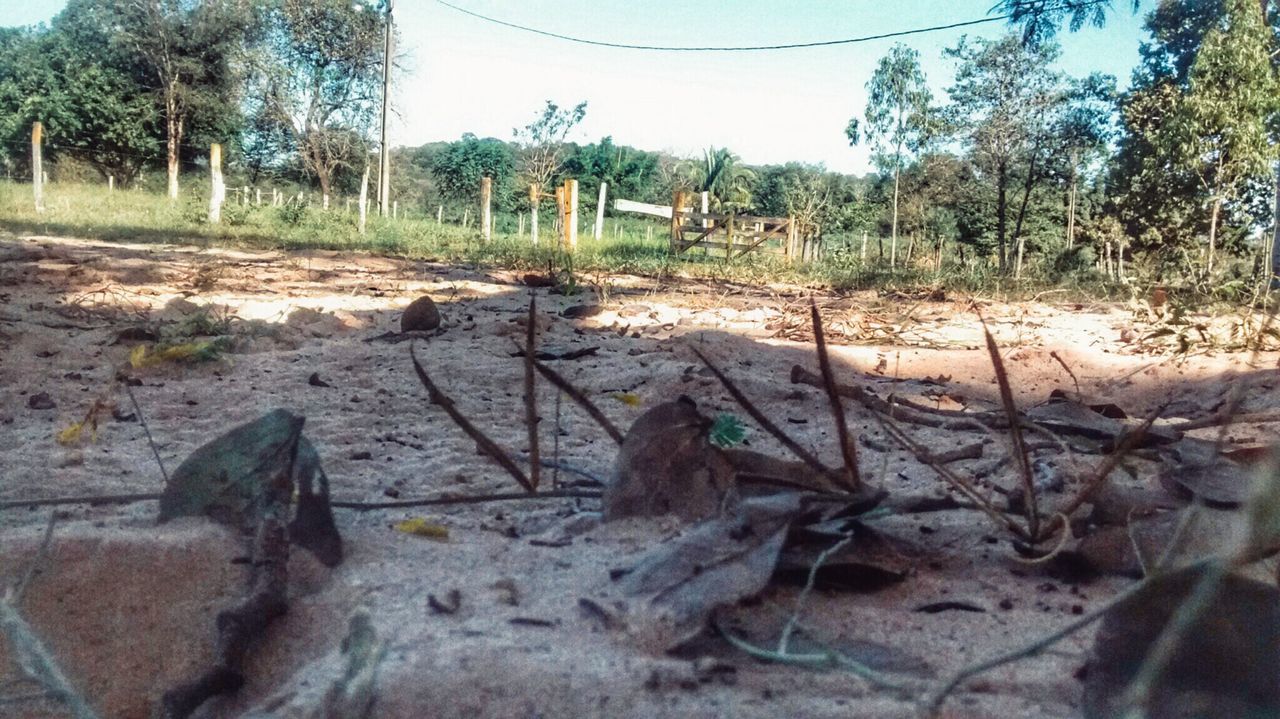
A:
[752,48]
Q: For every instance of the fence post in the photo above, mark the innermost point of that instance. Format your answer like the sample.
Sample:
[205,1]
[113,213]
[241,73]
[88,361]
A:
[395,209]
[486,196]
[706,207]
[217,191]
[257,197]
[560,227]
[37,165]
[520,232]
[533,213]
[863,256]
[600,210]
[439,214]
[571,209]
[728,240]
[111,183]
[677,202]
[364,197]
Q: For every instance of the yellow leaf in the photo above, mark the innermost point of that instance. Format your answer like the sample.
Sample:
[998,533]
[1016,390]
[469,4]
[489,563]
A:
[138,357]
[70,435]
[627,398]
[420,527]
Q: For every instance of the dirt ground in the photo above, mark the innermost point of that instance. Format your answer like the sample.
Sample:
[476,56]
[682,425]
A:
[128,606]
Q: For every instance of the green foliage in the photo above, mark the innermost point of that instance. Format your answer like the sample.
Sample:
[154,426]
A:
[460,166]
[727,431]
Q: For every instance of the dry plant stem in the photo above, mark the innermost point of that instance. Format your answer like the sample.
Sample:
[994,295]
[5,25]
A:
[488,446]
[800,452]
[579,398]
[33,566]
[784,640]
[147,430]
[1018,447]
[39,663]
[239,626]
[426,502]
[1222,418]
[1054,354]
[1108,465]
[481,499]
[828,658]
[900,408]
[956,481]
[848,450]
[30,653]
[530,398]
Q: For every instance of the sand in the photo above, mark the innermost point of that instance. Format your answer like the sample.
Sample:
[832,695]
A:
[128,606]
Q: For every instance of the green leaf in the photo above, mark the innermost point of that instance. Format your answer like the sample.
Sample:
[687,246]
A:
[727,431]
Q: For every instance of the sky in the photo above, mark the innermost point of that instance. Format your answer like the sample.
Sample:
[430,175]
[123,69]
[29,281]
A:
[461,74]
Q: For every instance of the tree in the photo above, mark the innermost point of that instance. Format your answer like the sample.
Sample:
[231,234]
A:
[796,190]
[459,167]
[1219,129]
[1082,129]
[897,115]
[1002,100]
[320,82]
[189,50]
[723,177]
[541,142]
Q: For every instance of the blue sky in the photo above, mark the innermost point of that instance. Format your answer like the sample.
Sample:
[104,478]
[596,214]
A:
[465,75]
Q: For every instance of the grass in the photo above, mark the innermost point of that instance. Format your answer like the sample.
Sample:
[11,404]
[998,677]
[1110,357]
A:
[629,245]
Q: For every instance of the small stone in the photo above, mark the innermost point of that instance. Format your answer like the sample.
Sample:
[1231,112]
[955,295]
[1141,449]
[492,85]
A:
[363,455]
[581,311]
[421,315]
[41,400]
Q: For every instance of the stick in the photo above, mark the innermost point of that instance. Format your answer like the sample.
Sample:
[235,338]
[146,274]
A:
[425,502]
[488,446]
[580,399]
[530,399]
[143,421]
[763,421]
[33,566]
[1018,447]
[1126,444]
[476,499]
[847,448]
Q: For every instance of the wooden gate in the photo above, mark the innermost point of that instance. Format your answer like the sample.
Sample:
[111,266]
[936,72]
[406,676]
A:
[732,235]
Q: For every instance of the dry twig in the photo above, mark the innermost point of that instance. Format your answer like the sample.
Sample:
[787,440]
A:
[848,450]
[530,398]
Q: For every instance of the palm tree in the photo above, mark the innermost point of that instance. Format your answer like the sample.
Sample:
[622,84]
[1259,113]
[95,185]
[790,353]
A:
[720,175]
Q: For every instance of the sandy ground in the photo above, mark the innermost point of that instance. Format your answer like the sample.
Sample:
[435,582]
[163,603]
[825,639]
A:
[128,606]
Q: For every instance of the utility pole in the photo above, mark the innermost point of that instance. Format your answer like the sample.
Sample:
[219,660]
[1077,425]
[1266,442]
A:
[384,167]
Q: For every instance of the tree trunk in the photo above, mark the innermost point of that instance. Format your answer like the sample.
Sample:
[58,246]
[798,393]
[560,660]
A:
[1026,198]
[173,141]
[1213,234]
[897,172]
[1071,212]
[1002,220]
[1275,236]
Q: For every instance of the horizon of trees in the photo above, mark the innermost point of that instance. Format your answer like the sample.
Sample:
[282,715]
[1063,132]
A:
[1018,161]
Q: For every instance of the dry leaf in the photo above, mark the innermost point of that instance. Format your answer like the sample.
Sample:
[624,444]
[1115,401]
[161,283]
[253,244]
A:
[419,527]
[674,587]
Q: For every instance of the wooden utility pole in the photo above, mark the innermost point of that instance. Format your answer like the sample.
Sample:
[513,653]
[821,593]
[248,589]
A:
[677,204]
[384,168]
[37,165]
[486,197]
[217,191]
[533,213]
[364,197]
[560,226]
[600,211]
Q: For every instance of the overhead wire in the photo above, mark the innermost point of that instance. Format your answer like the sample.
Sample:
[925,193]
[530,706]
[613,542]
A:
[756,48]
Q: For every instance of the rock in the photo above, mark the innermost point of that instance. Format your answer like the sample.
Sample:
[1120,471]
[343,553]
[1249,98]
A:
[41,400]
[421,315]
[581,311]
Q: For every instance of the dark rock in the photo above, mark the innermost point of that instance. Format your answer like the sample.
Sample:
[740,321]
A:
[422,315]
[41,400]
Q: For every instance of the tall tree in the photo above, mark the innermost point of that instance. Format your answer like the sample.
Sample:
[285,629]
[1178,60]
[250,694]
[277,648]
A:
[541,142]
[1002,99]
[897,118]
[320,82]
[1220,129]
[189,48]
